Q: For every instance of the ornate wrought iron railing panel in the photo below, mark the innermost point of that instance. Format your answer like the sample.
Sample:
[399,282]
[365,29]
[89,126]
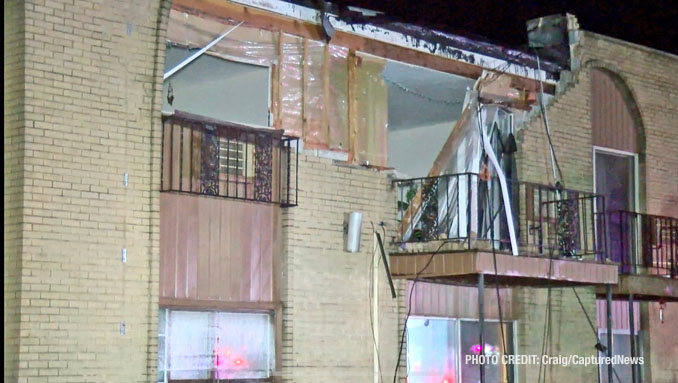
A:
[222,159]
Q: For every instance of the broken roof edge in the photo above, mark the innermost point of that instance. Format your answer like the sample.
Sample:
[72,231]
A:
[423,40]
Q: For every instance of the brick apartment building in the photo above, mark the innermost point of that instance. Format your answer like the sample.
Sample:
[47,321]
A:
[180,214]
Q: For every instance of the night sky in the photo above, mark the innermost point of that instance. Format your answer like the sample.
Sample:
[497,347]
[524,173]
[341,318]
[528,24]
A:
[651,23]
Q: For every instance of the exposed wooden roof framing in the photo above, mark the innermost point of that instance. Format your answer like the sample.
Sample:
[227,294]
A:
[276,22]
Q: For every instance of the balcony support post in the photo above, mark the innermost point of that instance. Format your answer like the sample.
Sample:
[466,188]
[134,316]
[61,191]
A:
[608,308]
[632,328]
[481,322]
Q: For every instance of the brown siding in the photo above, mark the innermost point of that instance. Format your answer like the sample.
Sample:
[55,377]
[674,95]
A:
[431,299]
[613,125]
[217,249]
[620,315]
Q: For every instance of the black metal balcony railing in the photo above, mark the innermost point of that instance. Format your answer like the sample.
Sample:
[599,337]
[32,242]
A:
[430,208]
[207,157]
[561,223]
[465,207]
[643,243]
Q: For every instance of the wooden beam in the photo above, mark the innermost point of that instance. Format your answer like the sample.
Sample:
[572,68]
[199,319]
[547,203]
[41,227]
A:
[201,304]
[221,9]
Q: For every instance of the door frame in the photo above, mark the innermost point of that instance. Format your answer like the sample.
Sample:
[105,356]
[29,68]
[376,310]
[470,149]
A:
[636,176]
[636,196]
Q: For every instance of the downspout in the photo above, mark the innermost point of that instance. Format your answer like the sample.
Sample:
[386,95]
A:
[375,308]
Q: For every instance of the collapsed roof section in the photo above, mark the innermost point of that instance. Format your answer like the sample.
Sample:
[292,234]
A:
[335,96]
[397,41]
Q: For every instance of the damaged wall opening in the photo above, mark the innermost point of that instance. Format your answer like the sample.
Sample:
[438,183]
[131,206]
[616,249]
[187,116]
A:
[423,106]
[218,88]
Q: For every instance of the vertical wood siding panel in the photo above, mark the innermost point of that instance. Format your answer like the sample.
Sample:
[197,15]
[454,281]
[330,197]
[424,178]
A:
[268,248]
[450,301]
[183,211]
[253,293]
[248,232]
[224,256]
[167,244]
[612,122]
[217,249]
[203,276]
[192,230]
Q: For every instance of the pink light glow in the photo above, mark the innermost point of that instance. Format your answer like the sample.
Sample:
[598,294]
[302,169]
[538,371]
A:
[488,349]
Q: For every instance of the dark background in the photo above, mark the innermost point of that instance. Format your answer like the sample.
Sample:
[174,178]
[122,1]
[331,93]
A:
[651,23]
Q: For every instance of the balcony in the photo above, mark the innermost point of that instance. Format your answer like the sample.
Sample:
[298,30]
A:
[462,220]
[223,159]
[646,248]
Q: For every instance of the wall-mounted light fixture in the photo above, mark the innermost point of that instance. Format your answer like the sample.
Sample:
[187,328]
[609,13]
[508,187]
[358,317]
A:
[352,228]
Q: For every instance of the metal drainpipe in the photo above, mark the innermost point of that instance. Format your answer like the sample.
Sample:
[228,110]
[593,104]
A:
[375,308]
[608,293]
[481,323]
[632,327]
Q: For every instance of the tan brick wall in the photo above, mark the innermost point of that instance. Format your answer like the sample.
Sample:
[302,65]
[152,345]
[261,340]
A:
[82,101]
[90,114]
[13,180]
[327,331]
[663,350]
[652,78]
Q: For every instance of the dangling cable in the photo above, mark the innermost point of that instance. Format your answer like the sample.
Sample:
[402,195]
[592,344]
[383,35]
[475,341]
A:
[554,161]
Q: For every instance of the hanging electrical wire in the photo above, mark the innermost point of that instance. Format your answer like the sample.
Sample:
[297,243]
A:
[369,296]
[493,216]
[554,160]
[409,308]
[558,177]
[419,94]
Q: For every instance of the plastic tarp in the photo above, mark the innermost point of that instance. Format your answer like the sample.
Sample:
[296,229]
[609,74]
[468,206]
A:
[310,83]
[338,98]
[291,85]
[371,100]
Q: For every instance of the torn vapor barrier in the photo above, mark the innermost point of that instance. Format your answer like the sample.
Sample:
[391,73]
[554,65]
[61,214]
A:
[468,191]
[309,84]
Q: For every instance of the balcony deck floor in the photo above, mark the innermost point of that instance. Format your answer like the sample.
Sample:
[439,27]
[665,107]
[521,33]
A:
[464,266]
[645,288]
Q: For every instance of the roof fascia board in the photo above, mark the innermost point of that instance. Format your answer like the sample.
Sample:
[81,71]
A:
[373,32]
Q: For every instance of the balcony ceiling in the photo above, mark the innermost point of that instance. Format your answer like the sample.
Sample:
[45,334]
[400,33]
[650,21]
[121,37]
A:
[411,109]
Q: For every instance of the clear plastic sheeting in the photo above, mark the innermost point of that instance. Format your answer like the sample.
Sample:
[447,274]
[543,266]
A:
[371,100]
[337,107]
[292,85]
[248,44]
[218,345]
[315,117]
[310,84]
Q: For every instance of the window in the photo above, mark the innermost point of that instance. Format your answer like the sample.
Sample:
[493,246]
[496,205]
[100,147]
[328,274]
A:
[621,345]
[236,158]
[437,348]
[203,345]
[217,88]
